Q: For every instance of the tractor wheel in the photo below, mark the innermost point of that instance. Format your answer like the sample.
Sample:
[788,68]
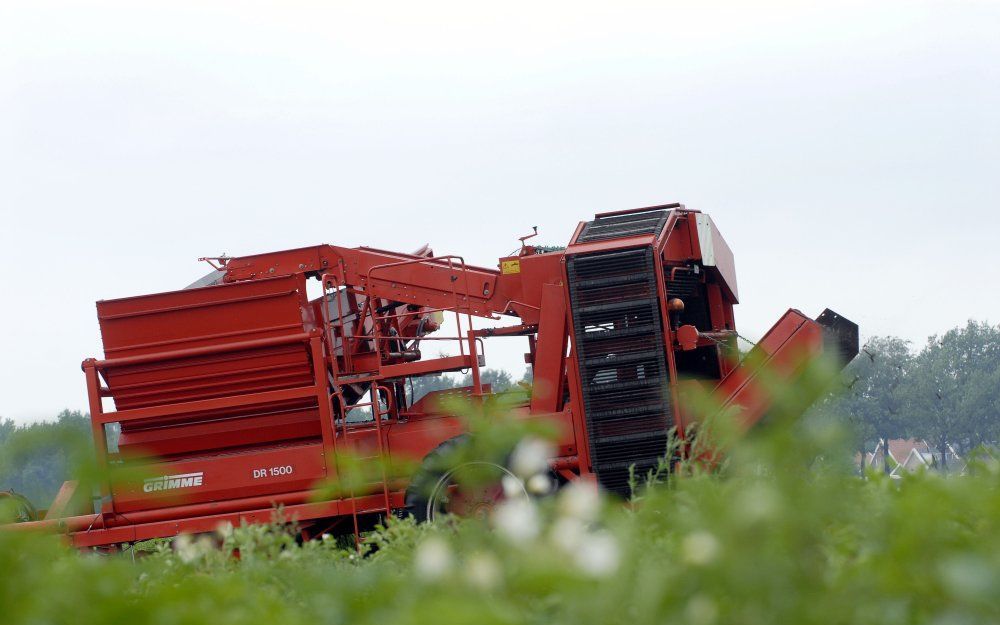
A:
[469,489]
[22,509]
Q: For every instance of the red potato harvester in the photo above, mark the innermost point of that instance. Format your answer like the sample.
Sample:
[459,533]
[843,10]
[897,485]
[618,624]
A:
[240,393]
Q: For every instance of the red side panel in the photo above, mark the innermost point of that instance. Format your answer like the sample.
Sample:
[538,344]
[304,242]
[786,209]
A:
[793,342]
[210,317]
[213,315]
[219,373]
[231,476]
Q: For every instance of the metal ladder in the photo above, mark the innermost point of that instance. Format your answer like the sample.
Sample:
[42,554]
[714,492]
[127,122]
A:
[345,435]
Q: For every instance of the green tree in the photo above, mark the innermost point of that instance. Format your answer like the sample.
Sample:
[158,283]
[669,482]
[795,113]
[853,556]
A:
[982,401]
[875,400]
[952,389]
[417,387]
[36,459]
[498,379]
[7,428]
[528,377]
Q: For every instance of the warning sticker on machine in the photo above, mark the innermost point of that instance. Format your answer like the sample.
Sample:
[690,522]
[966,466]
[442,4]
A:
[510,266]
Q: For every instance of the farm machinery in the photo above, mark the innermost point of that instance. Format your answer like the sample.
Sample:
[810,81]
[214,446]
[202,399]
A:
[251,388]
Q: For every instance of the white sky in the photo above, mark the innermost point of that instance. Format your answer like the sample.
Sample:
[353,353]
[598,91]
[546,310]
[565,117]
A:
[849,151]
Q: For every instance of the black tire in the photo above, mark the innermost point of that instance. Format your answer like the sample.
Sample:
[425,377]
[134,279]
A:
[432,490]
[432,468]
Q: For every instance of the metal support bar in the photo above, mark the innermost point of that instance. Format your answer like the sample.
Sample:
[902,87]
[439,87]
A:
[125,361]
[215,403]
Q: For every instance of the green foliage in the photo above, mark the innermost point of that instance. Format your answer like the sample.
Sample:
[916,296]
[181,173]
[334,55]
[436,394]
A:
[947,393]
[36,459]
[420,386]
[953,395]
[529,376]
[777,536]
[498,379]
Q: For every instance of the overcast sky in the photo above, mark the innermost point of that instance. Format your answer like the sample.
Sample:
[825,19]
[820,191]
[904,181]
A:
[848,151]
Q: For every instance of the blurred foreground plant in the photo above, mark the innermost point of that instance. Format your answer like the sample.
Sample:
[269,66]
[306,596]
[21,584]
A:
[784,532]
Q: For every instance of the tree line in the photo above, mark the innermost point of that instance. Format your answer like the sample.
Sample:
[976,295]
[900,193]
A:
[947,392]
[499,381]
[35,459]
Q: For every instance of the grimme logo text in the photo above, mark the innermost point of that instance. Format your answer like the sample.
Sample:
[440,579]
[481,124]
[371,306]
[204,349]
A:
[170,482]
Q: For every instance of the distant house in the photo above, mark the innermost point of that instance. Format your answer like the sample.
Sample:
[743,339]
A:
[911,455]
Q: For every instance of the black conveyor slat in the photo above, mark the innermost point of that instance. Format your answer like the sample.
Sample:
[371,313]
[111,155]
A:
[624,464]
[617,305]
[609,360]
[627,225]
[618,413]
[621,355]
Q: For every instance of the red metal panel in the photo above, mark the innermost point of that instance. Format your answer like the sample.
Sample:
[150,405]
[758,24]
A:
[221,433]
[612,244]
[573,381]
[198,317]
[207,405]
[283,263]
[213,368]
[410,441]
[521,292]
[205,377]
[549,370]
[793,342]
[65,498]
[204,518]
[182,352]
[230,476]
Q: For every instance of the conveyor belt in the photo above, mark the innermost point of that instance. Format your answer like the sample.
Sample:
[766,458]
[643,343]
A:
[625,225]
[622,361]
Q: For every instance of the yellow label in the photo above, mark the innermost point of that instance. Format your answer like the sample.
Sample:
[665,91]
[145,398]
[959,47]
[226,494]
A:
[510,266]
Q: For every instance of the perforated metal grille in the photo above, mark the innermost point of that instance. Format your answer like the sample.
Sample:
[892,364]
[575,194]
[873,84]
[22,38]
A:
[629,225]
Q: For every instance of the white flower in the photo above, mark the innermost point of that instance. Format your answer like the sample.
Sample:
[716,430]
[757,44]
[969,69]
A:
[568,533]
[700,548]
[185,548]
[189,550]
[758,503]
[517,520]
[598,554]
[539,484]
[530,457]
[433,558]
[580,500]
[224,530]
[483,571]
[512,487]
[701,610]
